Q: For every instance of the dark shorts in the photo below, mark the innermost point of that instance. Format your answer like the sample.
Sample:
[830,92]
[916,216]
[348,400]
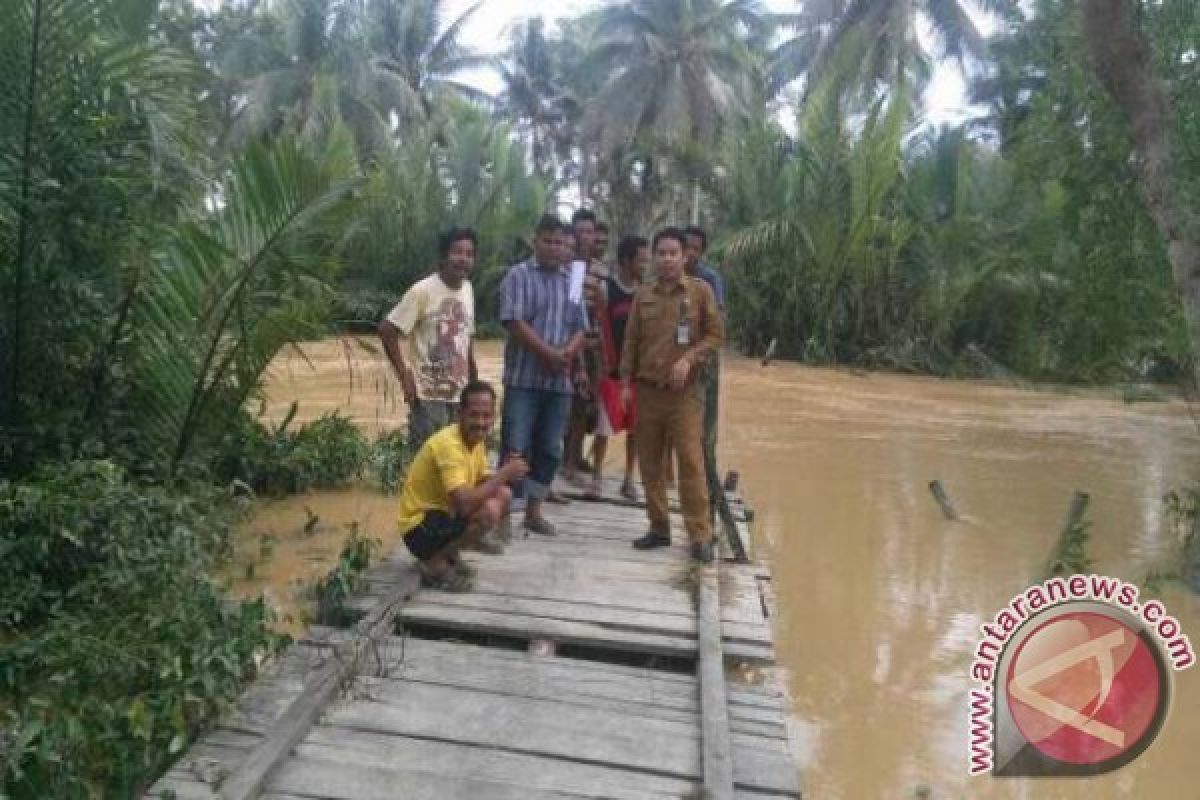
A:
[436,530]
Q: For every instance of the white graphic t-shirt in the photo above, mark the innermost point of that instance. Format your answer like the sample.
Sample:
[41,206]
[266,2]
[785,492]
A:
[437,323]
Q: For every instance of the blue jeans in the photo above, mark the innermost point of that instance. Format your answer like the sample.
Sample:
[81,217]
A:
[533,424]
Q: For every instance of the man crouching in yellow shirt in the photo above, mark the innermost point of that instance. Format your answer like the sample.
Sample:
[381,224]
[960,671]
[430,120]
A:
[449,500]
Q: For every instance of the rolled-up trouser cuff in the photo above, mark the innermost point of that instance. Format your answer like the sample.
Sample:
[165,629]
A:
[535,490]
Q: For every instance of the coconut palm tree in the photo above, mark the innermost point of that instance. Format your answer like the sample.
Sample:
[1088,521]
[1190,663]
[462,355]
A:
[677,67]
[881,36]
[304,71]
[676,70]
[534,97]
[416,43]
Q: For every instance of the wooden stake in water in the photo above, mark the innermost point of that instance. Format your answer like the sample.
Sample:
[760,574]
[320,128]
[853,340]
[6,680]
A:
[943,500]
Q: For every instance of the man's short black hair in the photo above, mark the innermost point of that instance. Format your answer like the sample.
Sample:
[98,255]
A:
[627,250]
[601,225]
[698,232]
[475,387]
[549,223]
[448,237]
[584,215]
[670,233]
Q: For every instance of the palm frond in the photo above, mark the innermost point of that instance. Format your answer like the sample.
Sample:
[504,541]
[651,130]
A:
[232,288]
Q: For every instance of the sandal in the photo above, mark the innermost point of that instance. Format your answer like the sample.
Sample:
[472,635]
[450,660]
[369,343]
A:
[540,526]
[629,492]
[594,491]
[448,580]
[463,567]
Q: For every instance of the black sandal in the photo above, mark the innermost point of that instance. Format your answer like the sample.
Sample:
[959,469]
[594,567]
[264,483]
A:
[448,580]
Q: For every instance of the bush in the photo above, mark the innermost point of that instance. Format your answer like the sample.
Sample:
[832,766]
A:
[118,648]
[326,453]
[389,459]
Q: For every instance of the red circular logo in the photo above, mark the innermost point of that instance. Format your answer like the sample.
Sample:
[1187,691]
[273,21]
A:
[1085,688]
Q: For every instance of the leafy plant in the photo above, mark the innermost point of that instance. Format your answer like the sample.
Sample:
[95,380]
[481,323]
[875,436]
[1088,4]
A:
[390,456]
[117,649]
[326,453]
[344,579]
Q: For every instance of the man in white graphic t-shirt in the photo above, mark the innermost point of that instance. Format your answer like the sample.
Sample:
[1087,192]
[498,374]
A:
[436,321]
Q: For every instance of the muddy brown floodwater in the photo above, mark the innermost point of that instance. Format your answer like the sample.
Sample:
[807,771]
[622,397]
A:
[880,599]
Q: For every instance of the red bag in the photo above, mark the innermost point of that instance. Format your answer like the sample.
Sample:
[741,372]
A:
[609,391]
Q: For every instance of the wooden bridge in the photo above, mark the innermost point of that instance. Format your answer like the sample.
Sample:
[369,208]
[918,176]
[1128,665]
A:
[578,668]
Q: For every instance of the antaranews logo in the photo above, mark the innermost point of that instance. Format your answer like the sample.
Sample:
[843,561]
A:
[1072,678]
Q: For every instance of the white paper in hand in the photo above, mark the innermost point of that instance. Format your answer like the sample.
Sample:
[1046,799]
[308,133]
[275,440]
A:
[578,273]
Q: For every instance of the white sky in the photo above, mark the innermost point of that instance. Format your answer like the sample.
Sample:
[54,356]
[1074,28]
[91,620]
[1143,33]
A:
[945,99]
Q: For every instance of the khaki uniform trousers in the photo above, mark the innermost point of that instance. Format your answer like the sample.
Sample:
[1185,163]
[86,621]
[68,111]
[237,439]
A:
[677,416]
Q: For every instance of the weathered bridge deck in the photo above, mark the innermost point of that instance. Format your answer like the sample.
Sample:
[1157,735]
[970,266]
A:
[435,695]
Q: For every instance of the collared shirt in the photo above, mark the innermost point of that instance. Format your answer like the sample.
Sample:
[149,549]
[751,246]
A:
[709,275]
[651,345]
[541,298]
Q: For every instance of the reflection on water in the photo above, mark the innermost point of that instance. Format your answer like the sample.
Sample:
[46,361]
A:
[880,598]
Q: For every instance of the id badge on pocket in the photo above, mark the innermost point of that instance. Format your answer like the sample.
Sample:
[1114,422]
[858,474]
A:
[683,334]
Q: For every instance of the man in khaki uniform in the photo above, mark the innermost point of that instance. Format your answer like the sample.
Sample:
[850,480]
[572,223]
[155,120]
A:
[673,326]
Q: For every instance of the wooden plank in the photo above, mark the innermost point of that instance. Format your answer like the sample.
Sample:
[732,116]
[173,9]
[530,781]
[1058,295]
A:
[567,680]
[248,779]
[581,564]
[562,631]
[488,764]
[181,786]
[763,764]
[750,653]
[714,711]
[627,595]
[616,618]
[632,595]
[665,556]
[453,655]
[532,685]
[527,725]
[333,780]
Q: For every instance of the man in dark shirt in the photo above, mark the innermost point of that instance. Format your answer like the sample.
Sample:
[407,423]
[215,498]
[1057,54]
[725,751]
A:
[710,370]
[633,255]
[583,408]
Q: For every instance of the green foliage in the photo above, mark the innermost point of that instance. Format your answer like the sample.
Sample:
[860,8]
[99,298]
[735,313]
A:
[390,456]
[864,241]
[96,147]
[1182,509]
[344,579]
[235,288]
[105,673]
[326,453]
[463,169]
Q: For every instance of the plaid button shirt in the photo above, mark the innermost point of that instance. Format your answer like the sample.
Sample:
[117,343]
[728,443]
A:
[541,298]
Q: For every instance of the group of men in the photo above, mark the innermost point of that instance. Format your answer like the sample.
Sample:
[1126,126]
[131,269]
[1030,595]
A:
[589,348]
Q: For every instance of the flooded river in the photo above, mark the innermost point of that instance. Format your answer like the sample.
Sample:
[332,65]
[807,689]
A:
[880,598]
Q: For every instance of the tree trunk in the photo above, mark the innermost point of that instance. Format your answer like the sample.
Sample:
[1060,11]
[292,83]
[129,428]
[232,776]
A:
[1121,57]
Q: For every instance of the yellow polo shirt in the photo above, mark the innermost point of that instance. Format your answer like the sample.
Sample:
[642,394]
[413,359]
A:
[444,464]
